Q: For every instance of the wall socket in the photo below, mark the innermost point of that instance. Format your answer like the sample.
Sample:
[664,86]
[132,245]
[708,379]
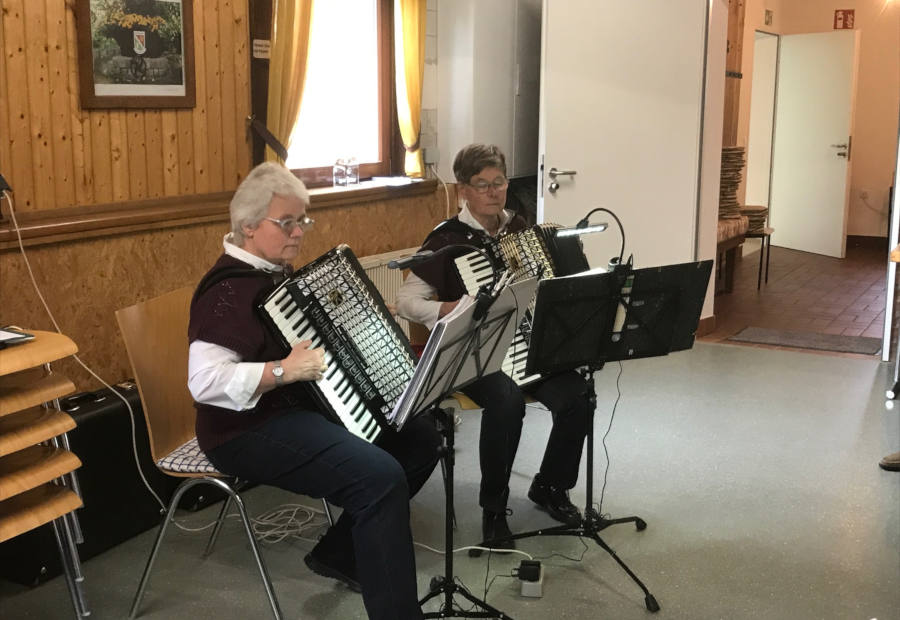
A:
[431,154]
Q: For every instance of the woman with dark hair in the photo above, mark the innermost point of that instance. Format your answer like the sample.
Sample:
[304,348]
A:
[434,288]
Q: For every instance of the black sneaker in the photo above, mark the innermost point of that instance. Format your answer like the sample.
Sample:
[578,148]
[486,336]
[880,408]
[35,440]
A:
[343,571]
[555,501]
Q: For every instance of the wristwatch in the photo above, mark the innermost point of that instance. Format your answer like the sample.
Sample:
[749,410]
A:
[278,371]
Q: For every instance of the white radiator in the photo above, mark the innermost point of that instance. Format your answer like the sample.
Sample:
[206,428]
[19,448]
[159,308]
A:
[387,281]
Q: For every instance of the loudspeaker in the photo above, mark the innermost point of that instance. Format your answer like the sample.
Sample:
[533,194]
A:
[117,505]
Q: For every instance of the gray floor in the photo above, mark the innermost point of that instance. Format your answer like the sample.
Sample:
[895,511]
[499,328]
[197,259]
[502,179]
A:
[755,469]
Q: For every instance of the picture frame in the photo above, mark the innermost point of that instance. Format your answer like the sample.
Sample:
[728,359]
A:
[136,53]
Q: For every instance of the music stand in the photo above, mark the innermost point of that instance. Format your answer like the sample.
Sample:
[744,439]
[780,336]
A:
[459,351]
[582,322]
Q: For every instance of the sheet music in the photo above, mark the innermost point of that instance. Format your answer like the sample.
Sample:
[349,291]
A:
[447,350]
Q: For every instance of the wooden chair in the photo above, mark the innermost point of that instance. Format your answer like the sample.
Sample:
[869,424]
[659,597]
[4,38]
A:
[155,334]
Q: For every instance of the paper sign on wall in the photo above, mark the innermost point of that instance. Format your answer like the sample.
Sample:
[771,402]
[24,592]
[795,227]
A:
[844,19]
[261,48]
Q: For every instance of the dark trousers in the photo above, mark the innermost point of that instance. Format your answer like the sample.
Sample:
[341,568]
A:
[303,452]
[503,406]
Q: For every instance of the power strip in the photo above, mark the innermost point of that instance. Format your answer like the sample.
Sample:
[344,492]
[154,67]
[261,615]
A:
[531,577]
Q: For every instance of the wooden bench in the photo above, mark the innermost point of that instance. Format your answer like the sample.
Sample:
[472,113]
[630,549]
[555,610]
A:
[730,234]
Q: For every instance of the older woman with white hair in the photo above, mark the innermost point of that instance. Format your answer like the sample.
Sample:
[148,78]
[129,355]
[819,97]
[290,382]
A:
[257,420]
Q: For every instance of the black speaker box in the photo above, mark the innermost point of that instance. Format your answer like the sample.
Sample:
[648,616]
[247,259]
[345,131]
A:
[117,505]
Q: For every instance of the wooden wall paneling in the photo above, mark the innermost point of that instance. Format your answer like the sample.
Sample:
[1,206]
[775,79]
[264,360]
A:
[82,157]
[118,149]
[214,94]
[241,38]
[38,78]
[101,154]
[5,140]
[63,172]
[199,128]
[136,146]
[153,129]
[170,168]
[19,174]
[185,123]
[733,68]
[229,95]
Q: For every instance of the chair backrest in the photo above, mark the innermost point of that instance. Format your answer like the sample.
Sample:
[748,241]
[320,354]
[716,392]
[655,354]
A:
[155,334]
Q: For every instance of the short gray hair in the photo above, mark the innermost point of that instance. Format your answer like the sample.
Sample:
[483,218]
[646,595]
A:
[474,158]
[250,202]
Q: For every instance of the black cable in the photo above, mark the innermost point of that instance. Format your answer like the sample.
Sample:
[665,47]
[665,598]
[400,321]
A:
[608,429]
[583,222]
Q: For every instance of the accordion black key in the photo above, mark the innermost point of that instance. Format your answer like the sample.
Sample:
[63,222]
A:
[533,252]
[332,302]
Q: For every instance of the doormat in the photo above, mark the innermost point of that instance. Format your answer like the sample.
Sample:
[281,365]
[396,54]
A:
[809,340]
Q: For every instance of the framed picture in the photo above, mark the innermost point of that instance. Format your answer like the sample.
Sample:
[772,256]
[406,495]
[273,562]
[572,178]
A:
[136,53]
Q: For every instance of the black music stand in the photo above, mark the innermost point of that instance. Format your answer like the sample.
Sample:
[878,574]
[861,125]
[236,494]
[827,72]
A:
[582,322]
[459,352]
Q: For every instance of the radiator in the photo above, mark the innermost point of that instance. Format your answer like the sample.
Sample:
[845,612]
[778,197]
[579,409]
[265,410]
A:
[387,281]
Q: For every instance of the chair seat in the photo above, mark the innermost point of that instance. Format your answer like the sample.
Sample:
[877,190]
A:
[188,458]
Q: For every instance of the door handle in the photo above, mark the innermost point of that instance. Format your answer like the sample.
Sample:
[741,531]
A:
[839,146]
[555,172]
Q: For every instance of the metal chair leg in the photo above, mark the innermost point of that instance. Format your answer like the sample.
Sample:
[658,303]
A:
[173,504]
[71,567]
[267,582]
[218,527]
[327,509]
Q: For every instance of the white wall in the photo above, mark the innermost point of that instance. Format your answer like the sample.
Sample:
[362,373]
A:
[487,79]
[762,105]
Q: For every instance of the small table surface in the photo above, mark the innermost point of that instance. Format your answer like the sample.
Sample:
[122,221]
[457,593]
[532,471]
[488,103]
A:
[766,232]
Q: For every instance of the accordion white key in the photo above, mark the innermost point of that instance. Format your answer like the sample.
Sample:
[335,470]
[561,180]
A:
[332,302]
[533,252]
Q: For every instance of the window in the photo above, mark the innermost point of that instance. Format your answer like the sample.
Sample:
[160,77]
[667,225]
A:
[345,111]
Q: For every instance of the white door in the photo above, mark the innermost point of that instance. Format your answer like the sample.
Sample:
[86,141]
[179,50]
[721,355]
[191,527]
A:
[621,105]
[810,168]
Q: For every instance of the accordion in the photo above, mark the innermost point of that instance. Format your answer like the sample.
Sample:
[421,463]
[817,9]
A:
[332,302]
[533,252]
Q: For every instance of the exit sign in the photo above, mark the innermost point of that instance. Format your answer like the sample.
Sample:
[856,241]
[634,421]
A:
[844,19]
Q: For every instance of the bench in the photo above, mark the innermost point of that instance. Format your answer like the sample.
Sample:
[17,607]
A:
[730,234]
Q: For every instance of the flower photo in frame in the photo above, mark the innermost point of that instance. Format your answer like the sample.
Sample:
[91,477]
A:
[136,53]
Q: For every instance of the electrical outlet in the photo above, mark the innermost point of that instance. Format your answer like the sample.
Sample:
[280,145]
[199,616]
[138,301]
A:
[431,155]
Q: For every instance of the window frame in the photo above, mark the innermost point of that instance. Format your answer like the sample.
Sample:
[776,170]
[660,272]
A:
[322,176]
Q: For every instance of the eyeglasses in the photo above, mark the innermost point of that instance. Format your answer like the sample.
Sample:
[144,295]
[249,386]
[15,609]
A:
[482,186]
[288,224]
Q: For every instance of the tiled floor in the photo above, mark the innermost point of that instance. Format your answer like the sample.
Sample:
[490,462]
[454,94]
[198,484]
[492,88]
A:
[807,292]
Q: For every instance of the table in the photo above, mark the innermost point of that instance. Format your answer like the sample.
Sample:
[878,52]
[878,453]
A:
[765,250]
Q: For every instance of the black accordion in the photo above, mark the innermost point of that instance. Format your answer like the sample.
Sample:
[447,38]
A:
[332,302]
[533,252]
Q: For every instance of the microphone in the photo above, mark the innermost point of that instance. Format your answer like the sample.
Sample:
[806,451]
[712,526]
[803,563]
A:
[414,259]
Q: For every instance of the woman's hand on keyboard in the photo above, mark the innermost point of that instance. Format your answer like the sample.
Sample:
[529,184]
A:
[303,363]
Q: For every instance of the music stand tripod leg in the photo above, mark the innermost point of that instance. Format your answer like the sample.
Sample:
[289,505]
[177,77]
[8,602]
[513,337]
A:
[445,584]
[591,522]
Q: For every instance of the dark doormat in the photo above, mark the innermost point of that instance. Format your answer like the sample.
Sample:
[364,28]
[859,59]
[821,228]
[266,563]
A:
[809,340]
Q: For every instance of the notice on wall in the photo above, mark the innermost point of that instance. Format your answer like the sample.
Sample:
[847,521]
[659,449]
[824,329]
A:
[844,19]
[261,48]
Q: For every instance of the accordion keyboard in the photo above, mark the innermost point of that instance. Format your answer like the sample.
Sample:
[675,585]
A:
[332,303]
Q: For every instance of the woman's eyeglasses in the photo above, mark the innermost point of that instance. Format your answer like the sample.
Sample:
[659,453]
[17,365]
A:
[483,186]
[288,224]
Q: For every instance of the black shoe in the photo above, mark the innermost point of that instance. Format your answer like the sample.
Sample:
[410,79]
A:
[343,570]
[555,501]
[495,530]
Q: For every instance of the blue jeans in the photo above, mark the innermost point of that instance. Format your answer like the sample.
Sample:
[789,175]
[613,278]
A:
[303,452]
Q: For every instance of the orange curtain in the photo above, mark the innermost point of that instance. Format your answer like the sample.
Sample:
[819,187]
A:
[287,68]
[409,54]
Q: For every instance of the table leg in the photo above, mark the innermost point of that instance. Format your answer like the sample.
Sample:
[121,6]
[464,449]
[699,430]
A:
[768,242]
[762,249]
